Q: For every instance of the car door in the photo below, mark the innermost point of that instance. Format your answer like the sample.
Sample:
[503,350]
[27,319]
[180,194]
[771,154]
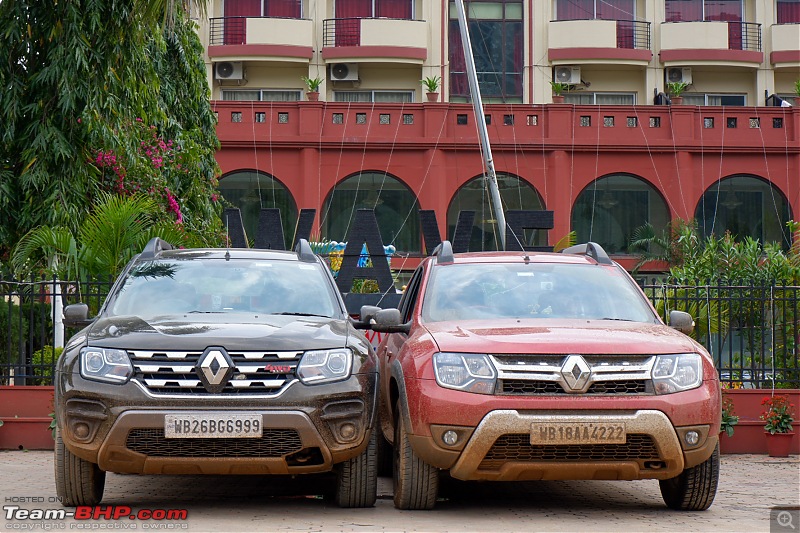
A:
[391,346]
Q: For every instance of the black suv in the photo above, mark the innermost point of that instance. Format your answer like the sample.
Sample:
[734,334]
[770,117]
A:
[213,361]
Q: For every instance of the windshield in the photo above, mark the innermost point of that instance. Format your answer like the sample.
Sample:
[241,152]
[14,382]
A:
[157,288]
[534,290]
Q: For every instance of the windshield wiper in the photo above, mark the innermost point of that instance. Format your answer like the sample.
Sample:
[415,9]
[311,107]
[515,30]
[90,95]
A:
[619,319]
[299,314]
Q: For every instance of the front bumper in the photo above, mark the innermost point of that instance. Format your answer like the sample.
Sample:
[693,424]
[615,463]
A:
[499,448]
[308,429]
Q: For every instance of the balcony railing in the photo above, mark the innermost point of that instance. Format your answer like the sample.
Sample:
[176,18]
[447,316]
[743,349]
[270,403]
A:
[633,34]
[600,33]
[360,31]
[228,30]
[744,36]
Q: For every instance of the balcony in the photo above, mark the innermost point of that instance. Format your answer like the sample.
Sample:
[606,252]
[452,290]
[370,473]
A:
[375,39]
[599,41]
[785,53]
[711,42]
[261,38]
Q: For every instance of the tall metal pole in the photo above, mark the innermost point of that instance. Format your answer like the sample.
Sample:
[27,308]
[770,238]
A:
[477,105]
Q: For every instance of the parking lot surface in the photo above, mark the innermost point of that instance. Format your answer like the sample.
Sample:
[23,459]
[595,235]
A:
[750,486]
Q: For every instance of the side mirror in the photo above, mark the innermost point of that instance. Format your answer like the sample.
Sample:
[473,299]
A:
[390,321]
[681,321]
[76,315]
[366,315]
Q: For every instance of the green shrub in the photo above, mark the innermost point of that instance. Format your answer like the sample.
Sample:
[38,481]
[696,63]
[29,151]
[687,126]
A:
[42,364]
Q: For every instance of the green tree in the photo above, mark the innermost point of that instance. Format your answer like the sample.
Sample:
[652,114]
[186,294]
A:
[109,237]
[76,75]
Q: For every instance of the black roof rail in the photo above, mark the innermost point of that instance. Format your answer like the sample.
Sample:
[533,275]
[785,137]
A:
[592,249]
[304,252]
[443,252]
[154,247]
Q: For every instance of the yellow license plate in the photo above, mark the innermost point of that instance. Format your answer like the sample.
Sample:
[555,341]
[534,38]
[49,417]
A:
[578,433]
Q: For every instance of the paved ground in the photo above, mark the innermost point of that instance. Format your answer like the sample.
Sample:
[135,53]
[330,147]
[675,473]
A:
[749,486]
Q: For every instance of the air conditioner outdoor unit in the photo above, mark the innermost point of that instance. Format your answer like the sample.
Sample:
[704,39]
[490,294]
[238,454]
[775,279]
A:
[679,74]
[571,75]
[344,72]
[228,70]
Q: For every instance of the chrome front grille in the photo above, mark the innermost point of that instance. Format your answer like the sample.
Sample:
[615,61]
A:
[173,372]
[527,374]
[518,448]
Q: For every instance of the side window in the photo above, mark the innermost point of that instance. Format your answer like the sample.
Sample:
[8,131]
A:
[409,299]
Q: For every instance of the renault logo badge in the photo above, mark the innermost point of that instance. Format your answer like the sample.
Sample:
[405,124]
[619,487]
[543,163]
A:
[214,368]
[575,372]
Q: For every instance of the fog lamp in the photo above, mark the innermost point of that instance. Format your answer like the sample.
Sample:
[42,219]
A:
[691,438]
[450,437]
[347,431]
[81,430]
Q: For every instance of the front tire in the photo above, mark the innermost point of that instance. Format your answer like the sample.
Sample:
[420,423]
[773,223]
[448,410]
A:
[416,483]
[78,482]
[694,489]
[357,478]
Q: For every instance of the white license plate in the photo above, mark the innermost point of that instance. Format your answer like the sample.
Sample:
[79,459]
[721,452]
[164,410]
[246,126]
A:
[578,433]
[212,425]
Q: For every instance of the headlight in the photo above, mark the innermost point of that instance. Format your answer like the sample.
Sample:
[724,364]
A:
[105,364]
[679,372]
[465,371]
[323,366]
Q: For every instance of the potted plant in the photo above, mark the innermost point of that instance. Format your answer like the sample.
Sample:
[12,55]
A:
[729,419]
[312,88]
[797,92]
[432,84]
[778,418]
[675,90]
[558,88]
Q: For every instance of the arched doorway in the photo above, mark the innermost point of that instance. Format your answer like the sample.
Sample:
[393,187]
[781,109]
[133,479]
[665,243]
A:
[745,206]
[396,209]
[515,193]
[609,210]
[250,191]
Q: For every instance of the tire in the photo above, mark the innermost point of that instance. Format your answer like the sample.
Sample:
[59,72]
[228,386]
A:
[357,478]
[416,483]
[694,489]
[385,455]
[78,482]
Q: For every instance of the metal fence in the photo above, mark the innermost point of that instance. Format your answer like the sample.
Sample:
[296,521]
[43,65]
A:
[752,333]
[30,327]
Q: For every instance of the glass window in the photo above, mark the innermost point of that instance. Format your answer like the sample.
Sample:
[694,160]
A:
[714,99]
[486,291]
[598,214]
[583,98]
[497,39]
[251,191]
[373,96]
[267,8]
[700,10]
[262,95]
[788,12]
[394,203]
[745,206]
[211,287]
[515,193]
[595,9]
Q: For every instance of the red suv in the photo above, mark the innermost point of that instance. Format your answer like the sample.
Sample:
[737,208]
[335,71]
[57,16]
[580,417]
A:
[515,366]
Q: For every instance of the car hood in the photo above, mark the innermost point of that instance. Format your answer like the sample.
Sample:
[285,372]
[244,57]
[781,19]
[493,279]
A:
[558,336]
[234,332]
